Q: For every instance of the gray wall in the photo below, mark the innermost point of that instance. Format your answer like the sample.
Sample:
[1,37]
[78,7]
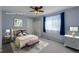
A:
[8,20]
[71,19]
[37,26]
[0,29]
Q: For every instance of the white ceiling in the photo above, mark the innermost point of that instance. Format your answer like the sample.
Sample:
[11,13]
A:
[24,10]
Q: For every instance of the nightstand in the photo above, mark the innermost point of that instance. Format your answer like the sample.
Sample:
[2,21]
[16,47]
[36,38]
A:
[7,39]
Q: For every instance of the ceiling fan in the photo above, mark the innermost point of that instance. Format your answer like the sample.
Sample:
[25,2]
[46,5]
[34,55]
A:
[36,9]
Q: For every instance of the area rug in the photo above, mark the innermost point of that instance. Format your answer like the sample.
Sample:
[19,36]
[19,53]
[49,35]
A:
[37,48]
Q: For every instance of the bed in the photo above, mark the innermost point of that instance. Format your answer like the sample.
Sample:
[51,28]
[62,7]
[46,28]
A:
[22,39]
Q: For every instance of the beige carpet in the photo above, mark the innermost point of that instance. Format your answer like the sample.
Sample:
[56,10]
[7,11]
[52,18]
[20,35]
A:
[37,48]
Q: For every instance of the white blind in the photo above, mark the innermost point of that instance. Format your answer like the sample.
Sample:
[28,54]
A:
[53,23]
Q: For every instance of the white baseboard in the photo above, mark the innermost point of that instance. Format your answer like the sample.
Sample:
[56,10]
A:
[0,50]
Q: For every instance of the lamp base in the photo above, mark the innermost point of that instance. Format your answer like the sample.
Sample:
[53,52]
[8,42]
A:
[73,34]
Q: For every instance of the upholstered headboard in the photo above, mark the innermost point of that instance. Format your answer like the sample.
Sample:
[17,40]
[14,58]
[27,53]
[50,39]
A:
[15,31]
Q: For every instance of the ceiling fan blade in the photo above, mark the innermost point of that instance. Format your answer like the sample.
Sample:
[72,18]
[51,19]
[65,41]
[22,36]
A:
[41,11]
[40,7]
[32,7]
[32,11]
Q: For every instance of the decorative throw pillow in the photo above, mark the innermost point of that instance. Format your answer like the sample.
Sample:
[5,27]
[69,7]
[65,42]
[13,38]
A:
[20,34]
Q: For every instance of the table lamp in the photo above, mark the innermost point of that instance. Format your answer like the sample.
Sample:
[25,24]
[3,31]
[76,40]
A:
[73,30]
[7,31]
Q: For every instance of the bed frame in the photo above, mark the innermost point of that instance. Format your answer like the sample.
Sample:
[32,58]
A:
[30,46]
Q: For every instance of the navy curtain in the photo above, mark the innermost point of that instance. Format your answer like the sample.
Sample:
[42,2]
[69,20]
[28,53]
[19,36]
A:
[44,19]
[62,28]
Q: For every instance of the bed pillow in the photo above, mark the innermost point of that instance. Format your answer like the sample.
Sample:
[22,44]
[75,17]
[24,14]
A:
[24,33]
[20,34]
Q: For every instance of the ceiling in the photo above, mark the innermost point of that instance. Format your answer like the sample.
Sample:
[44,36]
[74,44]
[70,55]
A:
[24,10]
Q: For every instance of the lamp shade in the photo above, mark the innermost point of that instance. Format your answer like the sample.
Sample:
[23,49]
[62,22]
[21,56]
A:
[7,30]
[73,28]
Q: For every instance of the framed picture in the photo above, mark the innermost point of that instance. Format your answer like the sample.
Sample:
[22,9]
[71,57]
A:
[18,22]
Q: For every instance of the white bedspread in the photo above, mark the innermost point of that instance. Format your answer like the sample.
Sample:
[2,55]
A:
[23,40]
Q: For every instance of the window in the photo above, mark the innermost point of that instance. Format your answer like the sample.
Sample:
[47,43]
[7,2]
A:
[53,23]
[18,22]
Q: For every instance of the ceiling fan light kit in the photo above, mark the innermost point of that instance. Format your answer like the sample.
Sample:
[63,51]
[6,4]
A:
[36,12]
